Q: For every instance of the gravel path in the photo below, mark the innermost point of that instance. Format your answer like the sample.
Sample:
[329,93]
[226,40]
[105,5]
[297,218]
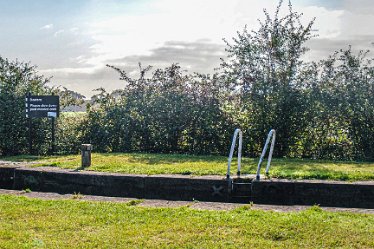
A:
[166,203]
[13,164]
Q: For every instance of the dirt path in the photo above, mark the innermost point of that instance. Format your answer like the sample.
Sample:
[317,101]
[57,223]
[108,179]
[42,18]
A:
[166,203]
[13,164]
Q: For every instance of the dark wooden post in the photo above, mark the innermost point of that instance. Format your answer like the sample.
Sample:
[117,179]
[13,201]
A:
[29,120]
[86,155]
[53,147]
[53,137]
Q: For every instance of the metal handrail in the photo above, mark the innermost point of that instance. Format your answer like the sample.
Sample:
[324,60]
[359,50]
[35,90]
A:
[237,131]
[272,135]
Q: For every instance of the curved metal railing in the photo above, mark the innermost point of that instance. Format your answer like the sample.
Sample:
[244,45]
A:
[272,135]
[234,138]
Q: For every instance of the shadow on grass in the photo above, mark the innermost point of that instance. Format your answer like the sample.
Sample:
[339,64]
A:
[22,158]
[150,158]
[200,165]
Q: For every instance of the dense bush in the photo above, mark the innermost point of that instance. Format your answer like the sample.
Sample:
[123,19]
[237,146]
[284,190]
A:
[70,132]
[340,94]
[16,80]
[321,109]
[168,112]
[264,66]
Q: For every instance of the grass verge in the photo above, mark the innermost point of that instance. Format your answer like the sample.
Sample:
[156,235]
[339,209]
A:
[142,163]
[35,223]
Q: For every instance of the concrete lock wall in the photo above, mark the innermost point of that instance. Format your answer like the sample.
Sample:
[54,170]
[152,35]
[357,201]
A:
[284,192]
[324,193]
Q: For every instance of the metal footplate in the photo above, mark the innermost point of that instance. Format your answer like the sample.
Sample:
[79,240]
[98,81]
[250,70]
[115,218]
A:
[240,188]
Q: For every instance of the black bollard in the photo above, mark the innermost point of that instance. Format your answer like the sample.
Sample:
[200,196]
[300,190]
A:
[86,155]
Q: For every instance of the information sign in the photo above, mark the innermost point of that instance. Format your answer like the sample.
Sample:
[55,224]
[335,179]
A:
[42,106]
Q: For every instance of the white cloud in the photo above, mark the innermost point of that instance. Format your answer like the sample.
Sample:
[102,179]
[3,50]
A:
[74,30]
[70,70]
[59,32]
[169,20]
[328,23]
[47,26]
[145,33]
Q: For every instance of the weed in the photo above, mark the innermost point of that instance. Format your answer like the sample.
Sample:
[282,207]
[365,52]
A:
[134,202]
[315,208]
[77,196]
[245,207]
[27,190]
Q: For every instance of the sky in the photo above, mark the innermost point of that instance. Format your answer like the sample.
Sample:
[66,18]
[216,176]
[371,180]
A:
[72,40]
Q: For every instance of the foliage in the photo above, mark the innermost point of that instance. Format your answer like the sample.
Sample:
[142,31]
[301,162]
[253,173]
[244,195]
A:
[168,112]
[84,224]
[16,80]
[322,109]
[341,121]
[263,69]
[70,132]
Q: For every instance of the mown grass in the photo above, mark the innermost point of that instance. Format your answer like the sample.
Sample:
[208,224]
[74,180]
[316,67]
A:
[142,163]
[35,223]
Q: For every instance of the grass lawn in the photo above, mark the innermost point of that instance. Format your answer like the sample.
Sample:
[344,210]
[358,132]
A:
[35,223]
[142,163]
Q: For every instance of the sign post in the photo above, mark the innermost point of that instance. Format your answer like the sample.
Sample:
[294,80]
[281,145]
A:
[42,106]
[29,122]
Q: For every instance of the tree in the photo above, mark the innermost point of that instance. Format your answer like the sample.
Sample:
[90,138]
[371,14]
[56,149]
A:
[345,91]
[262,71]
[169,111]
[16,80]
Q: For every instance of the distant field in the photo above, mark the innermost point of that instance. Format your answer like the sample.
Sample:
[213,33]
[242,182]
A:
[34,223]
[142,163]
[73,114]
